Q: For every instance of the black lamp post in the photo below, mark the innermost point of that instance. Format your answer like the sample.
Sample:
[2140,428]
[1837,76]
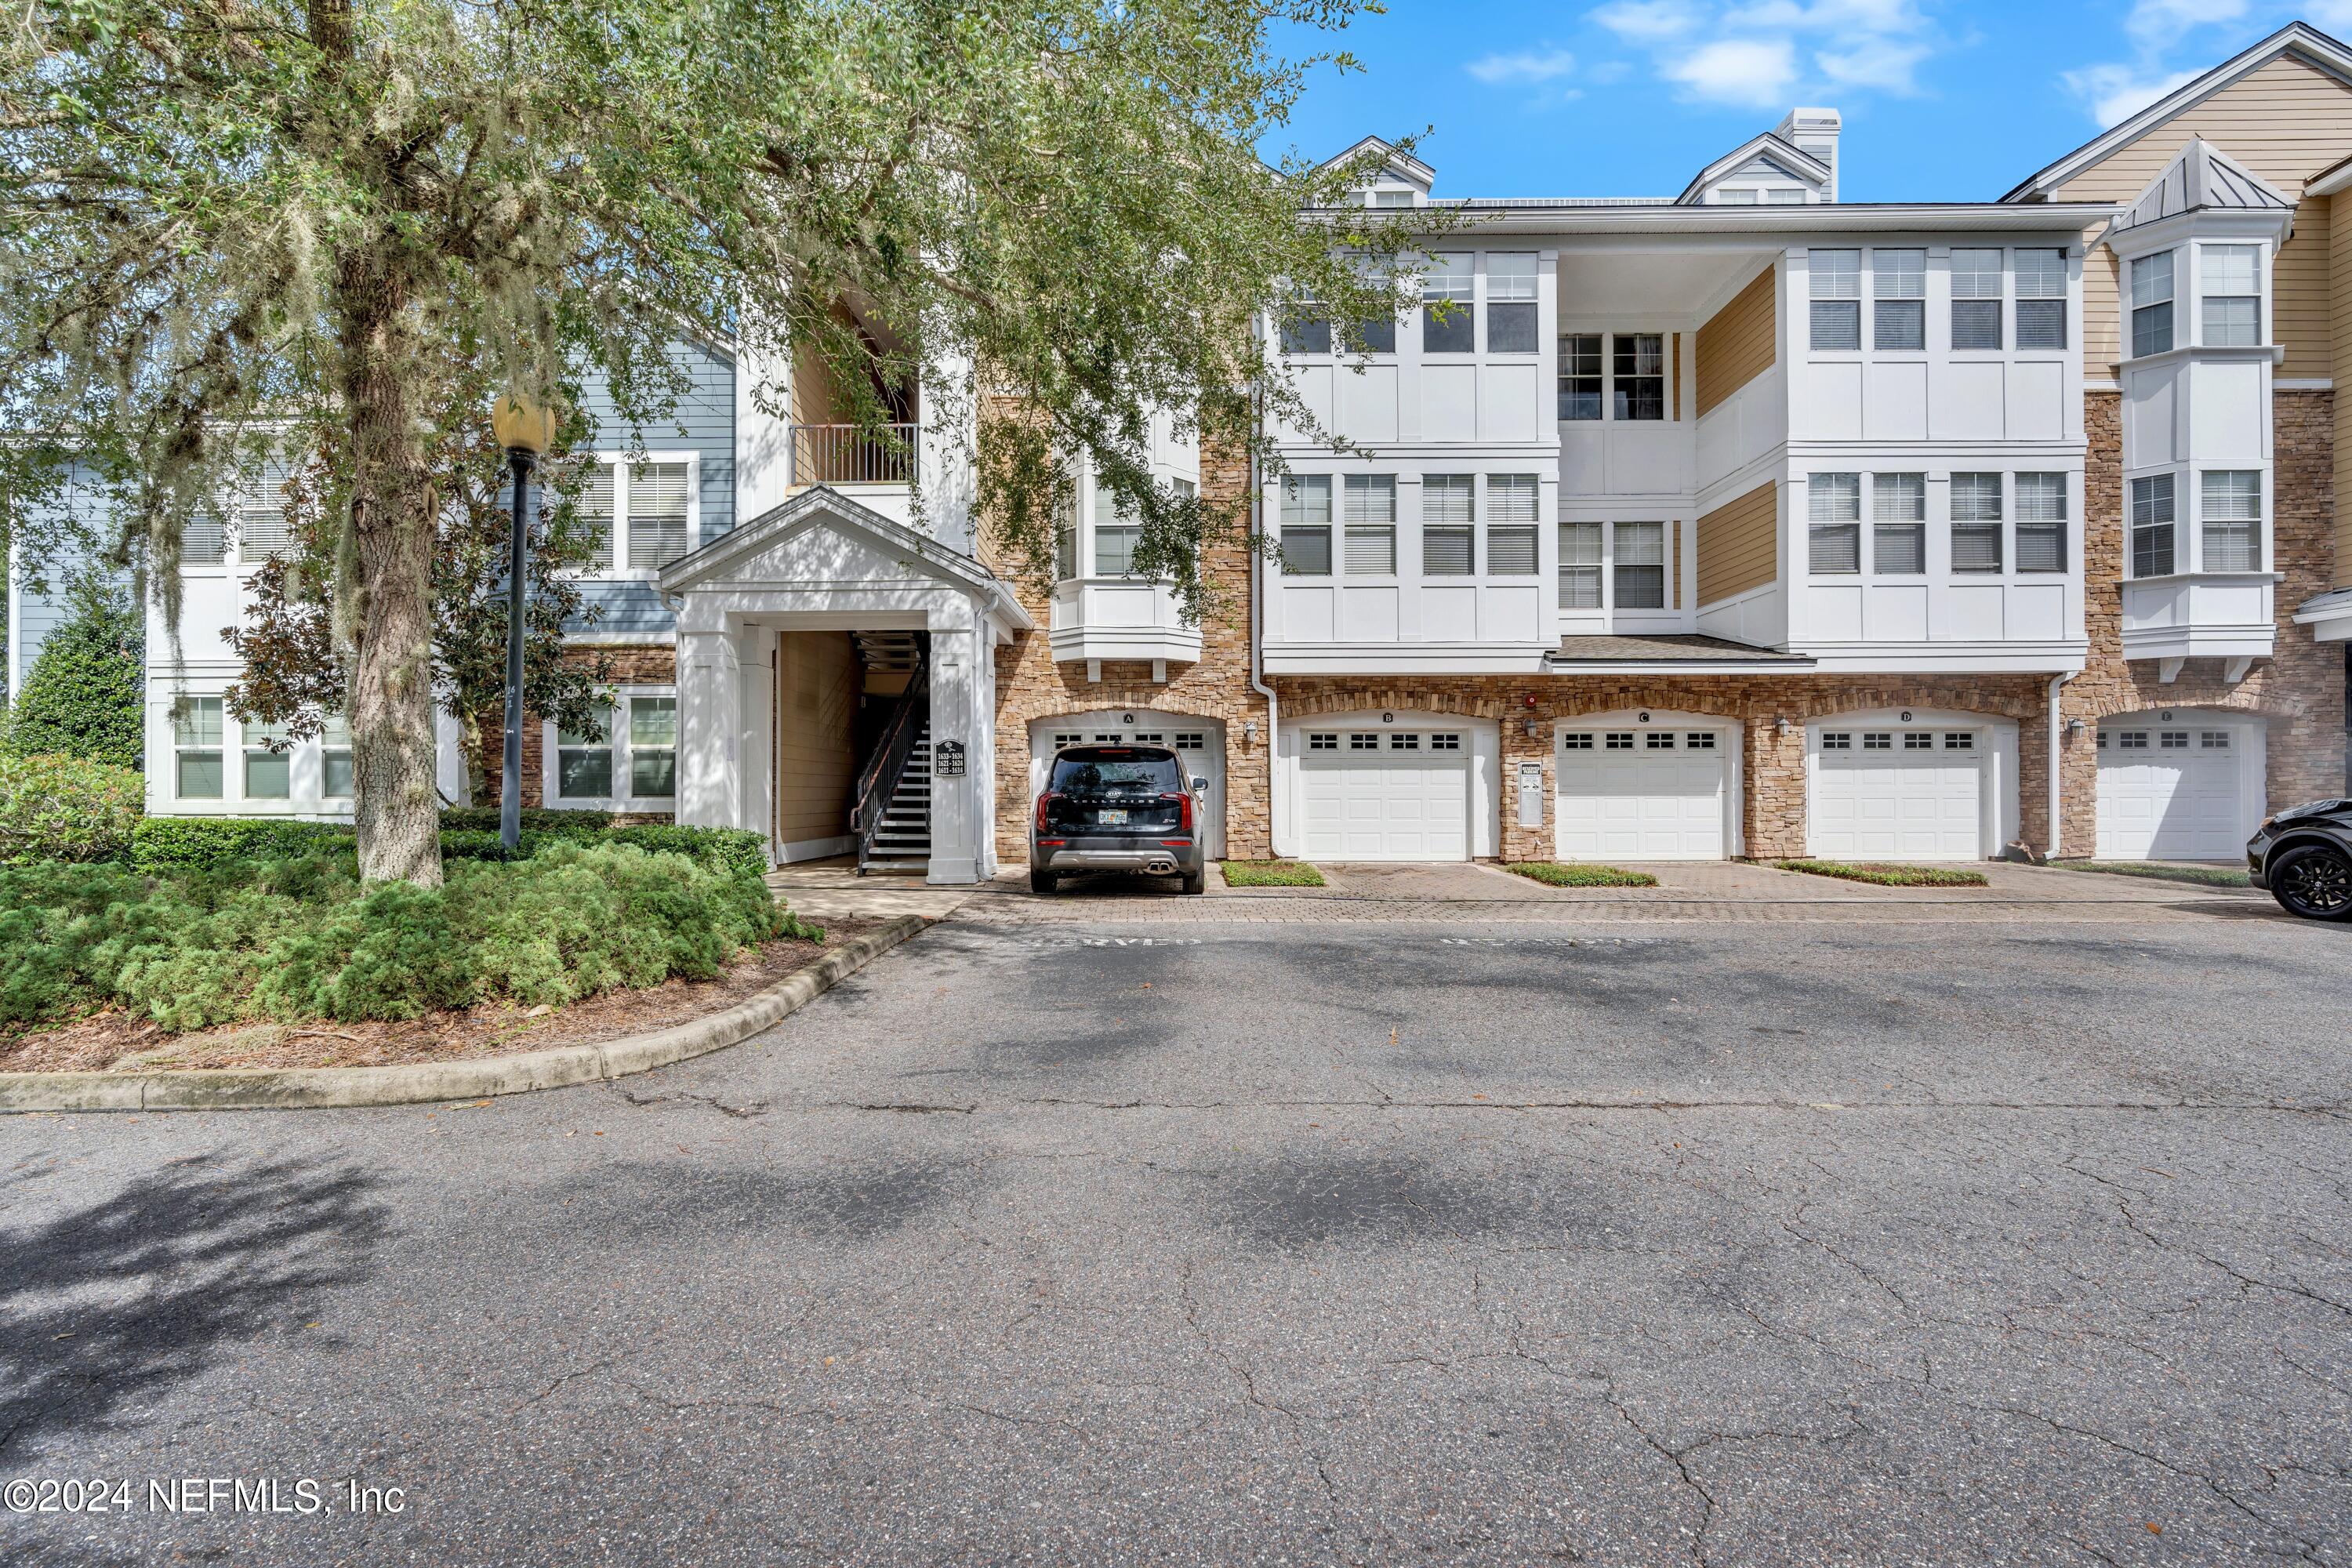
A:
[525,429]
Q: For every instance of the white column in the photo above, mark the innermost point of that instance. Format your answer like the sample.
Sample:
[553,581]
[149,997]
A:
[710,785]
[757,769]
[959,716]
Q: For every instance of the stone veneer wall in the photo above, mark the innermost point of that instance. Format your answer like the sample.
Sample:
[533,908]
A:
[2299,690]
[1031,686]
[647,665]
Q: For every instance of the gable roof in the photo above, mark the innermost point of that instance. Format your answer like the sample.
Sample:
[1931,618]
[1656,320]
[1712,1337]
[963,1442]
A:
[822,506]
[1408,167]
[1800,163]
[2300,39]
[2203,178]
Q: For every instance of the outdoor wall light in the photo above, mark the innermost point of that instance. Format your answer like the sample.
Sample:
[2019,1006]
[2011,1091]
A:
[2075,726]
[1249,732]
[1781,725]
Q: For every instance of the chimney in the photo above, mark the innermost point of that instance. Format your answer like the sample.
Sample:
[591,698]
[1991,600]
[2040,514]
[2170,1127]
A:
[1815,132]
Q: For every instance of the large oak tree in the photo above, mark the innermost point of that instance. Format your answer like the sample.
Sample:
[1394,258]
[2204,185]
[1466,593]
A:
[228,225]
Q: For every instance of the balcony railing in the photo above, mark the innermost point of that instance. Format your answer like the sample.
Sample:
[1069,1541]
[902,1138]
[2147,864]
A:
[854,453]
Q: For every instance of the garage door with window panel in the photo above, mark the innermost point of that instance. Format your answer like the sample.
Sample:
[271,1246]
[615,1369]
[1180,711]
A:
[1201,746]
[1641,793]
[1897,793]
[2172,791]
[1385,794]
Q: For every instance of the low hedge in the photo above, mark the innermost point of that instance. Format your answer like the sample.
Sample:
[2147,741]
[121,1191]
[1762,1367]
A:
[1883,875]
[1579,874]
[466,834]
[298,937]
[161,842]
[68,808]
[1271,874]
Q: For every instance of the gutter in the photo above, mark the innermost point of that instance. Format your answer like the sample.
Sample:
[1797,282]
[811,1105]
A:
[1257,646]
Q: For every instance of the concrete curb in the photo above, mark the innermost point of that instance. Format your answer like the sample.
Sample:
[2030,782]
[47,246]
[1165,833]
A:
[559,1066]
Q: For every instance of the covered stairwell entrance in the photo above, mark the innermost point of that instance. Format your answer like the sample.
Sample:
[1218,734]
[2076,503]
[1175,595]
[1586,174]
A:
[891,818]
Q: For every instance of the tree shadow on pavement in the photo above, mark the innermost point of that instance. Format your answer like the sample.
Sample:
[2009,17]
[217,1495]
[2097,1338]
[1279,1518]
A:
[112,1305]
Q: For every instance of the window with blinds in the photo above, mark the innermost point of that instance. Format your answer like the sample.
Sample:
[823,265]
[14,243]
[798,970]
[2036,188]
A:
[1116,530]
[1899,311]
[1449,525]
[1065,537]
[2232,306]
[204,541]
[1511,513]
[1511,302]
[1307,525]
[1836,285]
[1579,566]
[1975,298]
[1834,506]
[2151,526]
[657,514]
[1369,516]
[261,527]
[1639,568]
[2040,298]
[1976,523]
[2232,528]
[593,507]
[2151,304]
[2042,522]
[1898,525]
[1447,326]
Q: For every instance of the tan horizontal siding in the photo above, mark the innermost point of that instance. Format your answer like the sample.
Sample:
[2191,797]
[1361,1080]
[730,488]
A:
[1737,345]
[2287,122]
[1738,546]
[816,715]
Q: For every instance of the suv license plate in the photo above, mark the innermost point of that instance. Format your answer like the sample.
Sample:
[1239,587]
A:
[1112,818]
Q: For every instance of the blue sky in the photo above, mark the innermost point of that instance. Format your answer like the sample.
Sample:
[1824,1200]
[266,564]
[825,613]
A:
[1942,101]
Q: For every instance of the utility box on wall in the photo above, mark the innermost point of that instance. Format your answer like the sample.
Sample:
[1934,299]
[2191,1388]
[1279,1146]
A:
[1531,786]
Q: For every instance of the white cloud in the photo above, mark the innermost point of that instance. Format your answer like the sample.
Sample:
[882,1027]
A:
[1757,72]
[2114,93]
[1881,63]
[1647,21]
[2158,22]
[1527,64]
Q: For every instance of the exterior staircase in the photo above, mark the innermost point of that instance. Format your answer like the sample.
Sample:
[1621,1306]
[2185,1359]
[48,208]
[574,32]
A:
[902,839]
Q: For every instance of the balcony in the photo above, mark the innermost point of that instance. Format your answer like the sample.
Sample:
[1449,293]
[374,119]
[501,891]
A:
[854,453]
[1098,619]
[2200,615]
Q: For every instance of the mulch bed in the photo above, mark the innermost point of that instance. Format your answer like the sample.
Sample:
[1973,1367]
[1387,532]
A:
[121,1041]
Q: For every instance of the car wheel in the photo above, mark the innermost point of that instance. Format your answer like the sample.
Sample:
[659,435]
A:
[2314,882]
[1196,881]
[1044,882]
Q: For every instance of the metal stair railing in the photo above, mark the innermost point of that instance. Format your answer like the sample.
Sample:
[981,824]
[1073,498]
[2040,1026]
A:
[879,781]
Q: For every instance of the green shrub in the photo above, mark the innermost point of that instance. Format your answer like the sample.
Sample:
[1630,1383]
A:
[1556,874]
[1271,874]
[166,841]
[190,945]
[1888,876]
[86,695]
[68,808]
[472,834]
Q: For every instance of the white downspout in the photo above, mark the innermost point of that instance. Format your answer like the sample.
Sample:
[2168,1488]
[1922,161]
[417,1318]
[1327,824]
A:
[2057,736]
[1257,641]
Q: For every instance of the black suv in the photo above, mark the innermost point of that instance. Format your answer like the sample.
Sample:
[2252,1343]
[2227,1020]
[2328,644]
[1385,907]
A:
[1118,808]
[2303,856]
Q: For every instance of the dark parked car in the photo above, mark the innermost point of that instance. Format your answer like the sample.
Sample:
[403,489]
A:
[2303,856]
[1118,808]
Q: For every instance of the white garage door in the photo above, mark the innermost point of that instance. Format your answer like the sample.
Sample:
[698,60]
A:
[1202,745]
[1897,794]
[1386,794]
[2170,792]
[1641,794]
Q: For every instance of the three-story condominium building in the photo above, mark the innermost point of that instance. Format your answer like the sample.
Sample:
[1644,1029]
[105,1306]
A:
[1745,522]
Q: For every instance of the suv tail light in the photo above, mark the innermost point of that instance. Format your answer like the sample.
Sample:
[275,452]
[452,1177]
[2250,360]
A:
[1043,801]
[1183,810]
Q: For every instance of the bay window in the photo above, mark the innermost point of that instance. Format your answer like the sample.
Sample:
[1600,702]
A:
[196,771]
[1447,289]
[1307,525]
[1511,302]
[2151,305]
[1117,529]
[1898,525]
[1638,569]
[1065,536]
[2042,522]
[1370,525]
[1833,509]
[2231,526]
[2041,299]
[1975,298]
[2151,526]
[1976,523]
[1579,565]
[1449,525]
[1899,309]
[1836,286]
[2231,286]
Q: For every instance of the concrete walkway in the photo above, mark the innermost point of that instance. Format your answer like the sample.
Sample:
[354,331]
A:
[821,890]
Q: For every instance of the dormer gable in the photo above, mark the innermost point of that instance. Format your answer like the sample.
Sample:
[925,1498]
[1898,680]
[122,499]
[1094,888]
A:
[1400,180]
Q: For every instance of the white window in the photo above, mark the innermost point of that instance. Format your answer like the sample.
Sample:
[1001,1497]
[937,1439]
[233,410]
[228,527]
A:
[1448,325]
[1699,740]
[1835,280]
[1404,740]
[635,761]
[1735,196]
[2042,522]
[1975,298]
[2214,740]
[1833,503]
[2132,741]
[1900,313]
[1959,741]
[1579,565]
[196,748]
[1918,741]
[1784,196]
[1898,525]
[583,762]
[1580,375]
[1660,741]
[268,762]
[1307,525]
[1639,568]
[1370,525]
[1620,740]
[335,773]
[653,748]
[1306,327]
[1578,741]
[1511,303]
[1449,525]
[1390,198]
[2232,520]
[2151,526]
[1359,741]
[203,540]
[1446,741]
[2041,299]
[1117,529]
[2151,304]
[1323,741]
[1192,740]
[1065,537]
[1976,523]
[261,527]
[1877,740]
[2232,303]
[1837,741]
[2173,740]
[1512,502]
[1638,375]
[639,514]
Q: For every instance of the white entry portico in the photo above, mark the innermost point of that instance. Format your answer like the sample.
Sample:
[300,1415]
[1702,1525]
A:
[823,563]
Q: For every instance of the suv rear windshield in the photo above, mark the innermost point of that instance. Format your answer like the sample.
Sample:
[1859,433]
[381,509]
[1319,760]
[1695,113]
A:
[1116,770]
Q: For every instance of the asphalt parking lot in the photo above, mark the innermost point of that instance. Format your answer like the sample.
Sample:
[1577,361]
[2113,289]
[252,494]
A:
[1135,1235]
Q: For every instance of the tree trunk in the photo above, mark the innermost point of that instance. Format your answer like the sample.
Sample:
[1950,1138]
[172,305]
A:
[392,510]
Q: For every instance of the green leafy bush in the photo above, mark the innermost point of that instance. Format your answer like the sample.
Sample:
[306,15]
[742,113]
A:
[467,835]
[193,945]
[86,695]
[167,841]
[68,808]
[1558,873]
